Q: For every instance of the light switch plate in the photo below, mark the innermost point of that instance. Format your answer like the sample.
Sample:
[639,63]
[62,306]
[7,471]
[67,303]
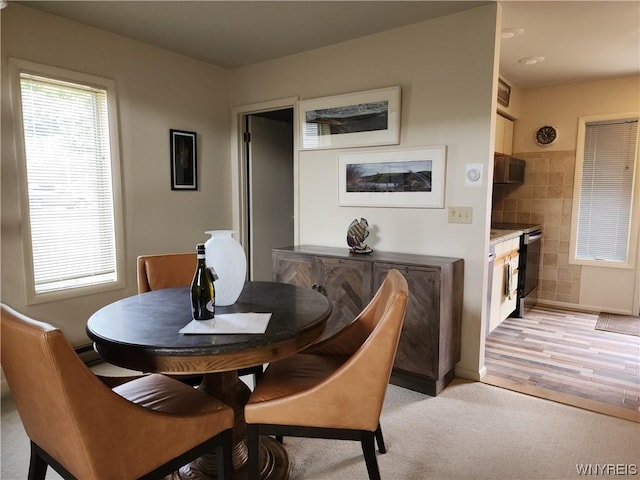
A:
[460,214]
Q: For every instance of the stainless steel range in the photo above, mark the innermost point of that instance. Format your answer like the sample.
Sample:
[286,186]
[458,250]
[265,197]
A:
[530,259]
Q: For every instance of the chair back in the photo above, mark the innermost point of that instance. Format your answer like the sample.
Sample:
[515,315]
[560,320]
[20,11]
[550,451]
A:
[348,340]
[56,395]
[145,426]
[354,393]
[165,271]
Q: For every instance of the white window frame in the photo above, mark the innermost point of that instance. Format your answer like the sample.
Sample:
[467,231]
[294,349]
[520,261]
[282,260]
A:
[16,67]
[635,207]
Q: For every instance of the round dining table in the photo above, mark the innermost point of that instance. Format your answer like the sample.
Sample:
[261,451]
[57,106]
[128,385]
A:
[142,333]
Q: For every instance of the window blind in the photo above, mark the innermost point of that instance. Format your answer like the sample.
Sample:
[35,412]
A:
[606,193]
[69,183]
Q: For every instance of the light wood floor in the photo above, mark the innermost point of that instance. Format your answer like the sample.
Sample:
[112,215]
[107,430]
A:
[558,355]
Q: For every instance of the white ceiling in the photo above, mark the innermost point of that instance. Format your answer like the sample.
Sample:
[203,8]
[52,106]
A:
[579,40]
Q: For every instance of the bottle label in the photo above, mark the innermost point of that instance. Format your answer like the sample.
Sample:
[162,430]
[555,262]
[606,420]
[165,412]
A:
[214,275]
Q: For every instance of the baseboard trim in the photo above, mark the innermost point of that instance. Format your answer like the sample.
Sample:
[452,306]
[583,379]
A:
[580,308]
[471,374]
[574,307]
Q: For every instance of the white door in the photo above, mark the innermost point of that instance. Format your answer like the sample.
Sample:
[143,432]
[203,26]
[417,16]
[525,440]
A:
[270,184]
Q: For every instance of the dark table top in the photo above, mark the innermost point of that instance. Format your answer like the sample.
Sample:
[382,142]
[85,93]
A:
[142,332]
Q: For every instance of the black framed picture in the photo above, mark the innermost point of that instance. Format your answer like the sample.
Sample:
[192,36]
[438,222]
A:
[184,172]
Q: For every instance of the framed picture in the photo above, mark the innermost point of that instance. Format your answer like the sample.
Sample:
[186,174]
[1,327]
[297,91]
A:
[184,172]
[504,92]
[410,178]
[351,120]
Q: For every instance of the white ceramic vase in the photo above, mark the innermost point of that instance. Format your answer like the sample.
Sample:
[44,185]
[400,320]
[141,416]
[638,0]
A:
[226,256]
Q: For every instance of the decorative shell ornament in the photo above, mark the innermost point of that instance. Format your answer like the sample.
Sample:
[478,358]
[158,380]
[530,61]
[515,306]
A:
[356,235]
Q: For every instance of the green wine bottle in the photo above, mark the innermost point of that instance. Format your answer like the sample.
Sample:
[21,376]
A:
[203,293]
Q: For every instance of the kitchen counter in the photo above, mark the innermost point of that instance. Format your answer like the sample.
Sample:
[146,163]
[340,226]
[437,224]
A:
[499,235]
[525,227]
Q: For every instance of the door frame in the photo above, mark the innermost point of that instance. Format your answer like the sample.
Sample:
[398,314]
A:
[239,181]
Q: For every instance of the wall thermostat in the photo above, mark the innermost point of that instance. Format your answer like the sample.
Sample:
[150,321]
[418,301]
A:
[473,175]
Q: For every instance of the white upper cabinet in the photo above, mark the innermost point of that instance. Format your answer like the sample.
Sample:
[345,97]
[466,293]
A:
[504,135]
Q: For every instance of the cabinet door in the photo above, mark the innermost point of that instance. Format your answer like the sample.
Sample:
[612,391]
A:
[504,135]
[501,305]
[507,143]
[509,302]
[347,285]
[419,341]
[499,138]
[295,269]
[497,287]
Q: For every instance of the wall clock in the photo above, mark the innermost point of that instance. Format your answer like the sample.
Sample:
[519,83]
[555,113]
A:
[546,135]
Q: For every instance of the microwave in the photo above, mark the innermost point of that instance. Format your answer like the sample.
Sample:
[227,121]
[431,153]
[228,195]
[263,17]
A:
[507,169]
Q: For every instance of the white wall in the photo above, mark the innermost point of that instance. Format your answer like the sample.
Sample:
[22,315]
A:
[601,289]
[157,91]
[562,105]
[446,68]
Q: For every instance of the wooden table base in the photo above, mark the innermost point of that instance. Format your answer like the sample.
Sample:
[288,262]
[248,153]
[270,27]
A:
[274,461]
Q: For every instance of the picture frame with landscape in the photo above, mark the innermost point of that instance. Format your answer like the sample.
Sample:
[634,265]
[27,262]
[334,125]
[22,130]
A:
[350,120]
[409,178]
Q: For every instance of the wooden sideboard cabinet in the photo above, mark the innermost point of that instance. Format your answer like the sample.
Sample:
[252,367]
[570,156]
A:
[429,345]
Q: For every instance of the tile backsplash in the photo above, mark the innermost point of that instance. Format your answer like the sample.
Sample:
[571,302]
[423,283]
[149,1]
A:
[546,198]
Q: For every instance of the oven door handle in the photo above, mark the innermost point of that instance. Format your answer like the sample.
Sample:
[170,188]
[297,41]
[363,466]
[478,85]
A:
[532,238]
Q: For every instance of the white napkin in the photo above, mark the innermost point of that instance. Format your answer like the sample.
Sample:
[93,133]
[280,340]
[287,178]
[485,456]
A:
[229,323]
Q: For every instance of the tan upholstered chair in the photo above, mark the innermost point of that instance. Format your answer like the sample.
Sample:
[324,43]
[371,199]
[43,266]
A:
[165,271]
[175,270]
[143,428]
[336,388]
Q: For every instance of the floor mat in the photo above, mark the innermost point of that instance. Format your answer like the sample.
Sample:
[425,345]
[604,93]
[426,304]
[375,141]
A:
[625,324]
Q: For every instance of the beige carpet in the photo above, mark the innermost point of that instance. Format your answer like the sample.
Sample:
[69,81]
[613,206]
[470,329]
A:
[625,324]
[470,431]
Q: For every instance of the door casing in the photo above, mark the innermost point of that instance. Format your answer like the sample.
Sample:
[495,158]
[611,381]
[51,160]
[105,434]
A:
[239,177]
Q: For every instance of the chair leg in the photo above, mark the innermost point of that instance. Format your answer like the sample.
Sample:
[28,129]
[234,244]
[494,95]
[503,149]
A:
[380,440]
[224,461]
[37,465]
[253,447]
[369,450]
